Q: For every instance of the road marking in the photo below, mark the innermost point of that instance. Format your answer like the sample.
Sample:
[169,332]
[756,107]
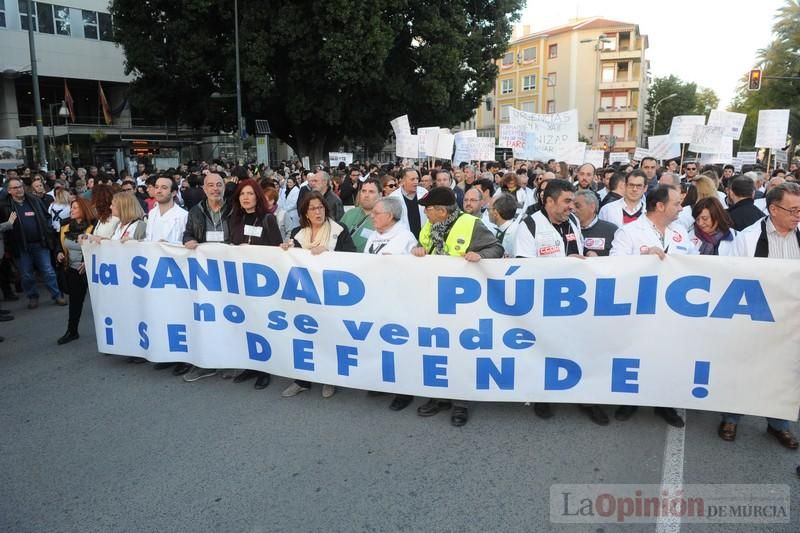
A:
[672,473]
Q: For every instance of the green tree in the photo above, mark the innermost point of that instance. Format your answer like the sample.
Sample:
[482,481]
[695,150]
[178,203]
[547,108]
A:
[780,58]
[706,100]
[319,71]
[683,103]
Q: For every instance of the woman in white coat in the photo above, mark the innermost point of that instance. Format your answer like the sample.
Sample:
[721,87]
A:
[290,203]
[712,232]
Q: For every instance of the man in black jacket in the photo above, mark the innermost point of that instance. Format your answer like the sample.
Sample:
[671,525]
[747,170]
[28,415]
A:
[743,212]
[30,240]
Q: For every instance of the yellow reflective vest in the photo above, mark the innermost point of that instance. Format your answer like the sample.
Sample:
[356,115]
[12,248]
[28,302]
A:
[457,241]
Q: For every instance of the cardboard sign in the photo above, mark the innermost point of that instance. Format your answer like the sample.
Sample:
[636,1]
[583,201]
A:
[706,139]
[661,147]
[401,126]
[773,125]
[732,123]
[407,146]
[682,127]
[334,158]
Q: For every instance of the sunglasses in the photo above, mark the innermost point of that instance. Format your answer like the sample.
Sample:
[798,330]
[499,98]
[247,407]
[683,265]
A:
[391,185]
[691,168]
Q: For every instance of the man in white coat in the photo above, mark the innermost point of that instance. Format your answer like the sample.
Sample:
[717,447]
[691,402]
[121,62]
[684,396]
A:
[410,193]
[655,233]
[631,206]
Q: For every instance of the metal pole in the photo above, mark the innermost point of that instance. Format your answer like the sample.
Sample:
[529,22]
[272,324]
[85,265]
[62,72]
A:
[238,82]
[52,132]
[37,104]
[598,99]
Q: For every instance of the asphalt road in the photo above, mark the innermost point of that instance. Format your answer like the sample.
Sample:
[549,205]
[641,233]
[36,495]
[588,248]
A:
[92,443]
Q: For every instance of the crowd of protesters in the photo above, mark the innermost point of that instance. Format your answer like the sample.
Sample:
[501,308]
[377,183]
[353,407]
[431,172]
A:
[518,209]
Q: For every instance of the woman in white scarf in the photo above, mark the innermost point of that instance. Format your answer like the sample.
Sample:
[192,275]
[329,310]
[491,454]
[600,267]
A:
[318,233]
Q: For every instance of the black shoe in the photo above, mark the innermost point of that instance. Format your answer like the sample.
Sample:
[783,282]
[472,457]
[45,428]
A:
[2,339]
[68,337]
[245,375]
[670,416]
[181,368]
[400,402]
[11,298]
[433,406]
[6,318]
[459,417]
[543,410]
[137,360]
[163,366]
[624,412]
[596,414]
[5,312]
[262,381]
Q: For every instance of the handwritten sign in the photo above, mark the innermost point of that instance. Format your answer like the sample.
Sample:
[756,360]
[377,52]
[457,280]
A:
[548,136]
[733,123]
[748,158]
[444,146]
[462,153]
[706,139]
[682,127]
[575,154]
[773,125]
[595,157]
[427,138]
[407,146]
[401,126]
[640,153]
[512,136]
[661,147]
[334,158]
[619,157]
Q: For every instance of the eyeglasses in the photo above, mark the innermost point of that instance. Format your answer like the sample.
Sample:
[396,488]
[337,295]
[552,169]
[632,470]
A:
[635,185]
[794,212]
[318,208]
[691,168]
[391,185]
[127,189]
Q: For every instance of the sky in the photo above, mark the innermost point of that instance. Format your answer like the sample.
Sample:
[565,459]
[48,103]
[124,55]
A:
[710,42]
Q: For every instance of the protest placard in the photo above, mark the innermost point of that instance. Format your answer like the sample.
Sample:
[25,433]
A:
[407,146]
[401,126]
[548,136]
[462,151]
[512,136]
[748,158]
[619,157]
[773,126]
[661,147]
[574,154]
[733,123]
[682,127]
[595,157]
[334,158]
[460,334]
[444,146]
[640,153]
[706,139]
[427,138]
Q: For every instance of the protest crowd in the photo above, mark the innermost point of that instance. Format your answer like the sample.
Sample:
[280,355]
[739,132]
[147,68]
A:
[512,208]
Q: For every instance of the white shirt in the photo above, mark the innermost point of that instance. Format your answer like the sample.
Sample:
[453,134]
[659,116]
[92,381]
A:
[106,229]
[125,230]
[397,240]
[421,192]
[612,211]
[779,247]
[506,233]
[761,203]
[168,227]
[685,217]
[636,237]
[547,242]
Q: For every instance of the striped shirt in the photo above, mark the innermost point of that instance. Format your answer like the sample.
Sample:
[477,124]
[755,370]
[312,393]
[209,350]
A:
[785,247]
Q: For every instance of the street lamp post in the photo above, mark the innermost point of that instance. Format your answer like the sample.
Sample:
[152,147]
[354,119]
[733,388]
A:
[655,111]
[37,104]
[238,81]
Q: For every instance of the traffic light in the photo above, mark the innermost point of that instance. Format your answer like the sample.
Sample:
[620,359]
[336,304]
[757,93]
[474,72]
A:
[754,83]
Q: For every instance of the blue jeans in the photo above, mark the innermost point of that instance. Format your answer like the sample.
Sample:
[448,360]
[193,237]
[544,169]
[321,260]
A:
[774,423]
[38,257]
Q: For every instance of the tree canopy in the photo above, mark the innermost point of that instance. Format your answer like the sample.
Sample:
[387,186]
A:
[318,71]
[688,100]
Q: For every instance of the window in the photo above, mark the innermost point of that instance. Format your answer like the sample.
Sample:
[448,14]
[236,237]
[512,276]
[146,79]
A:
[608,73]
[508,59]
[609,44]
[614,100]
[89,24]
[551,79]
[504,112]
[506,86]
[612,127]
[529,82]
[488,104]
[529,107]
[552,51]
[529,54]
[2,13]
[106,32]
[622,71]
[62,20]
[23,14]
[551,106]
[44,12]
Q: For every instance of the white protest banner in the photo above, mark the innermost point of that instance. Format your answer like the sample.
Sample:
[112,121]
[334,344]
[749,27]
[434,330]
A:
[334,158]
[462,151]
[662,148]
[722,155]
[306,163]
[574,154]
[640,153]
[332,318]
[773,125]
[512,136]
[480,148]
[407,146]
[737,164]
[706,139]
[427,137]
[748,158]
[733,123]
[11,153]
[549,136]
[682,127]
[444,146]
[619,157]
[595,157]
[401,126]
[781,157]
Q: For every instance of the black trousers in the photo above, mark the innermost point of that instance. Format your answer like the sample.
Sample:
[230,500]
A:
[76,288]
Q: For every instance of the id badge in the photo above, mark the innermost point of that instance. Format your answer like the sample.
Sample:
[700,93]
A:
[252,231]
[367,233]
[215,236]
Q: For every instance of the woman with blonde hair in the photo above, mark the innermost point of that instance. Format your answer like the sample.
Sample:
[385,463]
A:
[704,188]
[129,211]
[59,209]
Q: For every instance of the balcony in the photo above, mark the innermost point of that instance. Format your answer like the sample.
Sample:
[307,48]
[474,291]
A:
[620,84]
[620,112]
[620,54]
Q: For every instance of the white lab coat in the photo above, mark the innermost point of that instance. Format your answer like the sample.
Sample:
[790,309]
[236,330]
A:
[421,192]
[547,242]
[634,238]
[612,211]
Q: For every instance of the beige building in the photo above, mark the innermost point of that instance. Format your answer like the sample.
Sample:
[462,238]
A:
[594,65]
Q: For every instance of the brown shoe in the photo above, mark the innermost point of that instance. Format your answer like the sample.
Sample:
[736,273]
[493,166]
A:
[727,431]
[786,438]
[60,300]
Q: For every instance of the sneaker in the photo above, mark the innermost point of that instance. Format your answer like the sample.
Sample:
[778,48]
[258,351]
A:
[60,300]
[293,390]
[328,391]
[199,373]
